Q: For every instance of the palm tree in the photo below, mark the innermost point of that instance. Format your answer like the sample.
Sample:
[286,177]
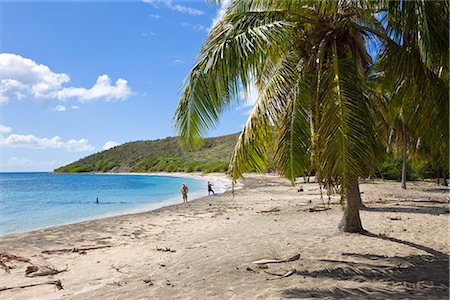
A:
[309,62]
[414,67]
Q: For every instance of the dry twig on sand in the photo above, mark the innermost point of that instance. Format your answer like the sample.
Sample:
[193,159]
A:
[317,208]
[70,250]
[284,275]
[57,284]
[273,210]
[276,261]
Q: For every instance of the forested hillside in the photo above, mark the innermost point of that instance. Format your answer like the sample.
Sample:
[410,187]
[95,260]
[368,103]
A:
[158,155]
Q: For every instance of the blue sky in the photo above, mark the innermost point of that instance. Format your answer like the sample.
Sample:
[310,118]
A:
[76,76]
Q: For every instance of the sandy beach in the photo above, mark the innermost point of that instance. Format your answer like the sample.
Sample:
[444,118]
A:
[208,250]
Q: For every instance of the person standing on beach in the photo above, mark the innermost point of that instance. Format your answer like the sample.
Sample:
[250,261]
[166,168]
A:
[210,184]
[184,192]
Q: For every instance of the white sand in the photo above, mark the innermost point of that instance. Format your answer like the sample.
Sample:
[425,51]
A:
[216,239]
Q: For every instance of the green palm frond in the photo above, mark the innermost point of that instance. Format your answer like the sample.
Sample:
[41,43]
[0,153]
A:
[292,147]
[229,57]
[254,141]
[347,137]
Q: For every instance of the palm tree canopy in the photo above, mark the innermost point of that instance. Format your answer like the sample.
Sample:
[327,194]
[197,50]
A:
[309,62]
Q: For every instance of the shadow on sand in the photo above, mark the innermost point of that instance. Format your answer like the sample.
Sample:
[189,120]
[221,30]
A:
[399,277]
[431,210]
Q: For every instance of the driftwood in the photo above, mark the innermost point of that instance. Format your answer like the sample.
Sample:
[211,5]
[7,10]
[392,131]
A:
[284,275]
[7,257]
[165,249]
[275,209]
[74,250]
[4,266]
[35,271]
[57,284]
[276,261]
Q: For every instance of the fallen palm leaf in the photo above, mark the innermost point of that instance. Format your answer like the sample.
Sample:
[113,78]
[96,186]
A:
[276,261]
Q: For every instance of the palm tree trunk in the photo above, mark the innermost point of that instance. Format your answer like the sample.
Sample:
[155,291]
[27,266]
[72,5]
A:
[444,177]
[351,222]
[360,203]
[404,158]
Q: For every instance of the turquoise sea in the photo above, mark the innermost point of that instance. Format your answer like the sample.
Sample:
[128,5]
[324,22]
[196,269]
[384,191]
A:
[30,201]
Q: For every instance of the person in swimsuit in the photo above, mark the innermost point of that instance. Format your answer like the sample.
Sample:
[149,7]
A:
[184,192]
[210,190]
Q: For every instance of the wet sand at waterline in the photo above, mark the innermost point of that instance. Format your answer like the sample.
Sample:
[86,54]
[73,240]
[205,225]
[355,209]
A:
[207,250]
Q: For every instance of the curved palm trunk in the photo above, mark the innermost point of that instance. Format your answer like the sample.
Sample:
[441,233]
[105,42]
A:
[351,222]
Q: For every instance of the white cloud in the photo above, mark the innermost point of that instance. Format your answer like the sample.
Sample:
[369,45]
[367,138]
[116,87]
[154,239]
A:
[78,145]
[101,89]
[147,34]
[177,7]
[60,108]
[177,62]
[22,77]
[31,141]
[155,16]
[5,129]
[110,144]
[197,27]
[221,11]
[74,107]
[25,162]
[250,95]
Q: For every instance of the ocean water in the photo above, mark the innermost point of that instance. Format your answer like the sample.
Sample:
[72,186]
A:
[30,201]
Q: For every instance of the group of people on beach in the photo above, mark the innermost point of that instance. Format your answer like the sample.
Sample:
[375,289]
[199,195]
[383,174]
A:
[185,190]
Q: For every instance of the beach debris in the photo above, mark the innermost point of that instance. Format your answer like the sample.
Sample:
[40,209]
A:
[165,249]
[4,266]
[9,257]
[276,261]
[48,269]
[272,210]
[75,250]
[119,270]
[262,266]
[250,269]
[148,280]
[283,275]
[317,208]
[57,284]
[395,218]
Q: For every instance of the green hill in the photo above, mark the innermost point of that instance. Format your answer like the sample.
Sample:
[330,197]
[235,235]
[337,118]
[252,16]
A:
[159,155]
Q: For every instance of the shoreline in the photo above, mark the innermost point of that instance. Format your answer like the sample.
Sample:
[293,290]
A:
[170,201]
[206,250]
